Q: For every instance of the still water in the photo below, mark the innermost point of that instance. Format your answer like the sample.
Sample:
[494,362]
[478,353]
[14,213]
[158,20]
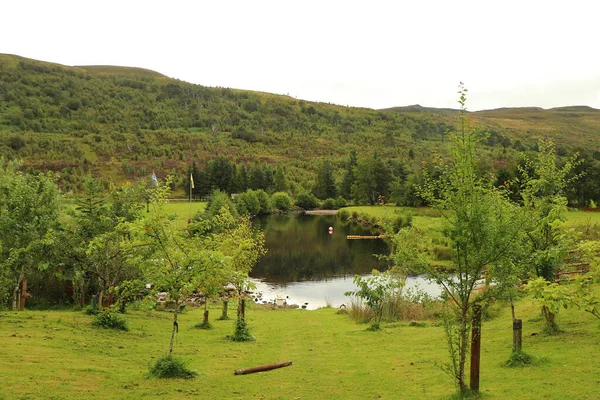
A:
[306,264]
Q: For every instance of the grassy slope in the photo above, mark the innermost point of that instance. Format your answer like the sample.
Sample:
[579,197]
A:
[59,355]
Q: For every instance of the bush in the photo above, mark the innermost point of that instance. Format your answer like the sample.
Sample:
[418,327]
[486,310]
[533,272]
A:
[442,253]
[281,201]
[264,201]
[171,367]
[355,215]
[247,203]
[91,310]
[343,214]
[110,319]
[401,221]
[340,202]
[307,201]
[242,333]
[329,204]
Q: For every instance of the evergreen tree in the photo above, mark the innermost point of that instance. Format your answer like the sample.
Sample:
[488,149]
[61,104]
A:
[325,186]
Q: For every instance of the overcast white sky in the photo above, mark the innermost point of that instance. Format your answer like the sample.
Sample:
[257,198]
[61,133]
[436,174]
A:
[361,53]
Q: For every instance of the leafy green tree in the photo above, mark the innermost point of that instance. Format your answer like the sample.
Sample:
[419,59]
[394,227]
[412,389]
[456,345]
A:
[306,201]
[280,182]
[29,210]
[548,239]
[348,178]
[480,228]
[375,291]
[281,201]
[325,185]
[242,247]
[172,258]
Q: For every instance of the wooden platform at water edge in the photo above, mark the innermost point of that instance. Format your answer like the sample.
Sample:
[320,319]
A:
[368,237]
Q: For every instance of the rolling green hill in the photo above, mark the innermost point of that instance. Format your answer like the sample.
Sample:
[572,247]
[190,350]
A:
[122,123]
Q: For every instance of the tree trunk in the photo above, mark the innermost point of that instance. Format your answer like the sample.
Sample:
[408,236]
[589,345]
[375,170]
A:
[475,349]
[464,334]
[175,328]
[205,321]
[550,318]
[15,301]
[242,309]
[23,295]
[100,295]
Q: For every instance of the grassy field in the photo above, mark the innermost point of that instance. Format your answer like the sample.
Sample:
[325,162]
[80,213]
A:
[59,355]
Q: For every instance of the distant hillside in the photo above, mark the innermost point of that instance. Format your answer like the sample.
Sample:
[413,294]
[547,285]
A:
[122,71]
[573,126]
[122,123]
[416,108]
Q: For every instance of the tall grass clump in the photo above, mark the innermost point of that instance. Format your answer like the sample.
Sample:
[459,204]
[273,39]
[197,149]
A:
[171,367]
[109,319]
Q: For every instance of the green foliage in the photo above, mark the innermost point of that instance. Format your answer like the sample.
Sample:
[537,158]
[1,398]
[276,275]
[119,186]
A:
[242,333]
[216,201]
[306,201]
[281,201]
[343,214]
[29,210]
[480,226]
[519,359]
[325,185]
[203,325]
[110,319]
[171,367]
[329,204]
[91,310]
[375,291]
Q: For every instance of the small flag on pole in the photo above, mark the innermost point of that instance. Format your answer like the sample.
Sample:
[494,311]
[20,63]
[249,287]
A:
[154,178]
[192,180]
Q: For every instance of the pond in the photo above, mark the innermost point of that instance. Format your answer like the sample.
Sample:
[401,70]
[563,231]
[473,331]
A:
[306,264]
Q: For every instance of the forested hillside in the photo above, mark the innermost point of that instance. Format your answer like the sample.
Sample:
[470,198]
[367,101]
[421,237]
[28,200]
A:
[121,124]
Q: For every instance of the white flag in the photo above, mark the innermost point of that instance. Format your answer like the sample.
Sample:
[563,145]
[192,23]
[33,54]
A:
[192,180]
[154,178]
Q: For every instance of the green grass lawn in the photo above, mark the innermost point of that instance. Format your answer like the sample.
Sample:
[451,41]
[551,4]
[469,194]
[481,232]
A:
[58,355]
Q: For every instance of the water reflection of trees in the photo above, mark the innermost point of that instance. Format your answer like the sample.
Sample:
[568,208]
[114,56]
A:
[301,249]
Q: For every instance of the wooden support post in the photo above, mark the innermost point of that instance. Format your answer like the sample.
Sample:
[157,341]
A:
[517,335]
[475,348]
[261,368]
[243,309]
[23,295]
[205,322]
[224,314]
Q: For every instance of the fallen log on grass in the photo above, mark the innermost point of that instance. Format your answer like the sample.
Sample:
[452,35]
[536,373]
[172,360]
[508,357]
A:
[262,368]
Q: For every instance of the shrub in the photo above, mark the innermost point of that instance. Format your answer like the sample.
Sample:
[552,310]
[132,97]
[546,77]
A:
[343,214]
[91,310]
[354,215]
[264,201]
[171,367]
[242,333]
[281,201]
[110,319]
[247,203]
[307,201]
[401,221]
[442,253]
[340,202]
[203,325]
[329,204]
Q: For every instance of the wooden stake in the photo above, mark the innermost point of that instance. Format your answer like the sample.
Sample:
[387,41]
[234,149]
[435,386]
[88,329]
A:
[517,335]
[475,348]
[23,294]
[262,368]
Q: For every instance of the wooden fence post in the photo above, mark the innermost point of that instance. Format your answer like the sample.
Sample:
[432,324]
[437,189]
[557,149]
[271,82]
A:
[517,335]
[475,348]
[224,314]
[23,294]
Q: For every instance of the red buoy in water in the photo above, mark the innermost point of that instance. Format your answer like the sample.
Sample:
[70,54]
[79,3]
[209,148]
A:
[330,230]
